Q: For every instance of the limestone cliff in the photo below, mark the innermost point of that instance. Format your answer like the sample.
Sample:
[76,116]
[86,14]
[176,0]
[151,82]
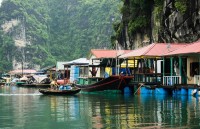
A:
[180,26]
[168,21]
[17,30]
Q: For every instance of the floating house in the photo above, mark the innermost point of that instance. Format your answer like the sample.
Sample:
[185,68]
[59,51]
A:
[186,62]
[97,75]
[75,69]
[108,60]
[100,61]
[149,62]
[164,68]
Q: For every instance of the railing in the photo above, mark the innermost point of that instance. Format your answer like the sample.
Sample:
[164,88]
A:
[147,78]
[197,79]
[171,80]
[158,78]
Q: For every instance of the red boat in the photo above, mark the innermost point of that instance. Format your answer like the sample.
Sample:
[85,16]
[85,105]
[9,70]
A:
[110,83]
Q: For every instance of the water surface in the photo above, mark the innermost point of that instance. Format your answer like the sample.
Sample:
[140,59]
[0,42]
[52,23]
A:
[26,108]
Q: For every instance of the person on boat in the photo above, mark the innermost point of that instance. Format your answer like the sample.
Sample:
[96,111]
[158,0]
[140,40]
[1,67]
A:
[106,75]
[54,84]
[47,80]
[93,71]
[60,75]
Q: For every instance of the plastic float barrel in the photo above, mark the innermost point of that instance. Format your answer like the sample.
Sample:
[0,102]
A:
[161,91]
[195,93]
[190,91]
[145,90]
[177,92]
[181,91]
[184,91]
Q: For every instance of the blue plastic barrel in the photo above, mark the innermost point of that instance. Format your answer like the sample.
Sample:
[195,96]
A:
[184,91]
[145,90]
[161,91]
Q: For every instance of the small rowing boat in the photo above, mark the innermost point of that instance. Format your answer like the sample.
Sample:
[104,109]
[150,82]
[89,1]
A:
[72,91]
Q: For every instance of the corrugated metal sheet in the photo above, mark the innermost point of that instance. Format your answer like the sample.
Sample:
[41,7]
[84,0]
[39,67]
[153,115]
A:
[103,53]
[60,65]
[159,49]
[192,48]
[153,50]
[83,61]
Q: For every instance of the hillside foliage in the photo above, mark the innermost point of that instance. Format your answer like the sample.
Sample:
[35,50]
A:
[58,30]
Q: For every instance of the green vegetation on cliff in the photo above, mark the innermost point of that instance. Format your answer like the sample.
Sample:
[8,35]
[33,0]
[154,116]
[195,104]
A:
[55,30]
[64,30]
[157,21]
[136,17]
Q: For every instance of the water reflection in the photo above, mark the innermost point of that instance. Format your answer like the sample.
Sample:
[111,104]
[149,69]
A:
[27,108]
[64,108]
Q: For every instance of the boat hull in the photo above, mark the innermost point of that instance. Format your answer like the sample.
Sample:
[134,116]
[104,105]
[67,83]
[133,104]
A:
[110,83]
[59,92]
[20,83]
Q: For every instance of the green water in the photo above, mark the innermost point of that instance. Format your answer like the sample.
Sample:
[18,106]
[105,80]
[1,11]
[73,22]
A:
[26,108]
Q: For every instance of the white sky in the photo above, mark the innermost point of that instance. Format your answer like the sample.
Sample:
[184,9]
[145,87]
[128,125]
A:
[0,2]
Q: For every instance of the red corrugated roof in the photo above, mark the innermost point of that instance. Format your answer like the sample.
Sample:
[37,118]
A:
[153,50]
[103,53]
[191,48]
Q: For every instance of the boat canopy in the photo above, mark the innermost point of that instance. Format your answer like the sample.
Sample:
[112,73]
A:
[40,78]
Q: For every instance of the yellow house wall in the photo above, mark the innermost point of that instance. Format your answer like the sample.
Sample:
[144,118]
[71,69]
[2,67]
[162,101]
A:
[190,79]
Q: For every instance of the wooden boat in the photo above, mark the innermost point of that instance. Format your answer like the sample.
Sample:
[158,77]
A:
[20,83]
[110,83]
[72,91]
[38,81]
